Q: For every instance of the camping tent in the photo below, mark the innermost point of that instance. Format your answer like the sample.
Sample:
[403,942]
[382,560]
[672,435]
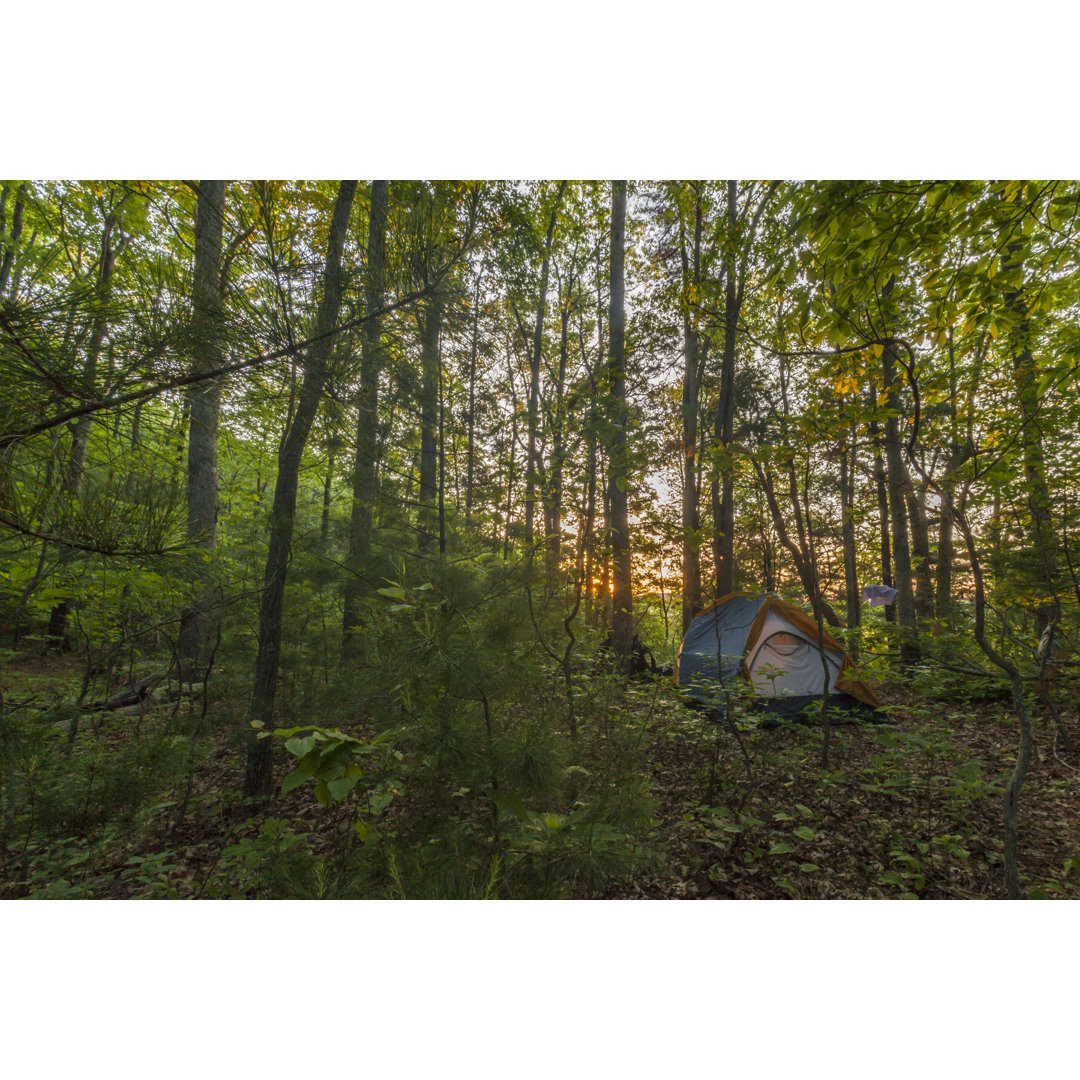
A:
[772,645]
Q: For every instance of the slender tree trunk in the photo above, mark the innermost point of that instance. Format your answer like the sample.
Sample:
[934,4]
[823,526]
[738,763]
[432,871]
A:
[365,461]
[723,493]
[945,553]
[957,454]
[1026,380]
[606,585]
[328,483]
[847,531]
[734,288]
[258,775]
[470,452]
[535,354]
[590,495]
[554,497]
[622,621]
[691,524]
[899,481]
[442,465]
[513,451]
[884,543]
[429,418]
[920,550]
[10,247]
[204,409]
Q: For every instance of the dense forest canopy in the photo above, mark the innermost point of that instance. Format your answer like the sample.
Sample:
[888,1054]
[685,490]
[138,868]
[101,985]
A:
[358,476]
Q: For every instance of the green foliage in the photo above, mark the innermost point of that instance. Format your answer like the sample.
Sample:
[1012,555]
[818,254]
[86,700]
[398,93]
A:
[274,863]
[463,750]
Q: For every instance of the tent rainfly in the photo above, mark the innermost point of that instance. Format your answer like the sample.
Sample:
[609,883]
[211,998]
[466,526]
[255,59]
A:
[774,646]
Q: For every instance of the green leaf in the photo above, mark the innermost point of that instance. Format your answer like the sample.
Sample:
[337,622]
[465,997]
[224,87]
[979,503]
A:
[338,789]
[294,779]
[300,747]
[804,832]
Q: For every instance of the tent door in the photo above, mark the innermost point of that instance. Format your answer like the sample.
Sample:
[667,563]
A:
[788,664]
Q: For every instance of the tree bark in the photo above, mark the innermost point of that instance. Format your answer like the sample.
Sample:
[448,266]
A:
[258,771]
[327,490]
[364,485]
[1026,379]
[691,524]
[884,543]
[622,623]
[920,550]
[534,374]
[513,453]
[945,554]
[553,500]
[428,523]
[898,482]
[847,531]
[470,452]
[13,243]
[723,491]
[204,410]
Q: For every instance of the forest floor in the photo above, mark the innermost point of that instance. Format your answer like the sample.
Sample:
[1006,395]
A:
[908,809]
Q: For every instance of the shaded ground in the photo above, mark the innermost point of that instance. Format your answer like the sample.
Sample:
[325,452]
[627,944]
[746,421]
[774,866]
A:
[911,809]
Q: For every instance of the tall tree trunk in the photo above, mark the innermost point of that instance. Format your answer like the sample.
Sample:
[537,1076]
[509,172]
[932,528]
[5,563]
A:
[735,273]
[1026,380]
[442,464]
[513,452]
[884,543]
[945,552]
[328,483]
[428,522]
[258,774]
[204,410]
[691,524]
[606,584]
[535,353]
[920,550]
[723,491]
[470,452]
[364,482]
[847,532]
[553,502]
[10,247]
[590,514]
[898,481]
[622,621]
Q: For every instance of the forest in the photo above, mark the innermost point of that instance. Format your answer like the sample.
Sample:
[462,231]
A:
[349,532]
